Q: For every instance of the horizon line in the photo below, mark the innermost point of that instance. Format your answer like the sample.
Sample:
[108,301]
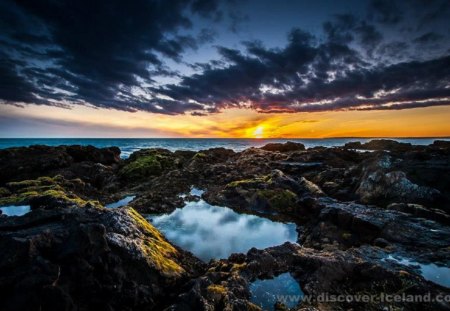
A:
[250,138]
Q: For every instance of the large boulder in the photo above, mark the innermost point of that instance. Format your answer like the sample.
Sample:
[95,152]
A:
[149,163]
[35,161]
[49,192]
[286,147]
[380,144]
[382,183]
[274,192]
[88,259]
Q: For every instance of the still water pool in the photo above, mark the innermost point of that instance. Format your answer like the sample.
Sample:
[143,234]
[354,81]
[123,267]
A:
[15,210]
[283,288]
[210,231]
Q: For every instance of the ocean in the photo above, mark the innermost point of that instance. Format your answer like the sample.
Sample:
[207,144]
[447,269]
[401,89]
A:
[129,145]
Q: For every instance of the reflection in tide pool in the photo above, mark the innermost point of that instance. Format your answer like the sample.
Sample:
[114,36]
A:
[216,232]
[196,191]
[15,210]
[284,288]
[430,272]
[121,203]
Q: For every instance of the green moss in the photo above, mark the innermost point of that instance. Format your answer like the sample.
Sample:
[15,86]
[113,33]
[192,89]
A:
[249,182]
[158,251]
[280,199]
[346,235]
[41,181]
[217,289]
[4,192]
[200,155]
[17,199]
[238,267]
[143,166]
[24,191]
[252,307]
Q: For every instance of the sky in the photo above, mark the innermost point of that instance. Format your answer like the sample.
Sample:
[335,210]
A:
[225,68]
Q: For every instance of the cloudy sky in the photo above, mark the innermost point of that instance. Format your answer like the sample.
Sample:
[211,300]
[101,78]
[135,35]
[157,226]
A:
[224,68]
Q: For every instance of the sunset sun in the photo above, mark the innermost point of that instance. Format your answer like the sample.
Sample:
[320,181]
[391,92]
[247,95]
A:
[259,132]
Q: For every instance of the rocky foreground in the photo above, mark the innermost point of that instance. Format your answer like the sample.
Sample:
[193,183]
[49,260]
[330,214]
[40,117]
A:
[354,206]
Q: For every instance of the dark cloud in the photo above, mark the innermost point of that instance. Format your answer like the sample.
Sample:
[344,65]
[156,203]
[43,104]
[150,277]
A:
[95,52]
[346,28]
[306,77]
[114,54]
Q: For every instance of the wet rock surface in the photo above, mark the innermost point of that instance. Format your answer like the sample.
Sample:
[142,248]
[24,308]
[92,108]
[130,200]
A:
[354,212]
[88,258]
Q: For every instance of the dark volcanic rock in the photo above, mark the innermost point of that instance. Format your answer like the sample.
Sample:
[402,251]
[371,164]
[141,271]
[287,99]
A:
[225,286]
[286,147]
[275,192]
[380,144]
[86,259]
[440,144]
[368,223]
[420,211]
[383,183]
[36,161]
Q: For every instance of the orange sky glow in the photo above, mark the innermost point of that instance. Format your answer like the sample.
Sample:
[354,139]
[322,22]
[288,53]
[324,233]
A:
[234,123]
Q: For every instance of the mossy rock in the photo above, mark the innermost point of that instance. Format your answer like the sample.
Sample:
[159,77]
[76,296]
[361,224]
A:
[4,192]
[252,307]
[45,189]
[39,182]
[158,251]
[142,167]
[152,164]
[216,292]
[346,235]
[200,155]
[253,182]
[279,199]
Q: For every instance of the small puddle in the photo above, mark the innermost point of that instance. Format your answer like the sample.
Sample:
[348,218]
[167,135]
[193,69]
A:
[210,231]
[121,202]
[14,210]
[283,288]
[430,272]
[196,192]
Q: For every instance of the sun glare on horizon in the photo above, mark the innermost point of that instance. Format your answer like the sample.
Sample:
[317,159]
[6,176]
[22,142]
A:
[259,132]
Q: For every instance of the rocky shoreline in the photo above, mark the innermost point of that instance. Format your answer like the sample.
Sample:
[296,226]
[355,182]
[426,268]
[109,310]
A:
[358,209]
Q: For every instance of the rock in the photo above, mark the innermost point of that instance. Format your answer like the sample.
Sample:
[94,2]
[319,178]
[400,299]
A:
[226,283]
[441,144]
[380,144]
[380,242]
[335,219]
[146,164]
[48,192]
[286,147]
[36,161]
[84,259]
[420,211]
[380,184]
